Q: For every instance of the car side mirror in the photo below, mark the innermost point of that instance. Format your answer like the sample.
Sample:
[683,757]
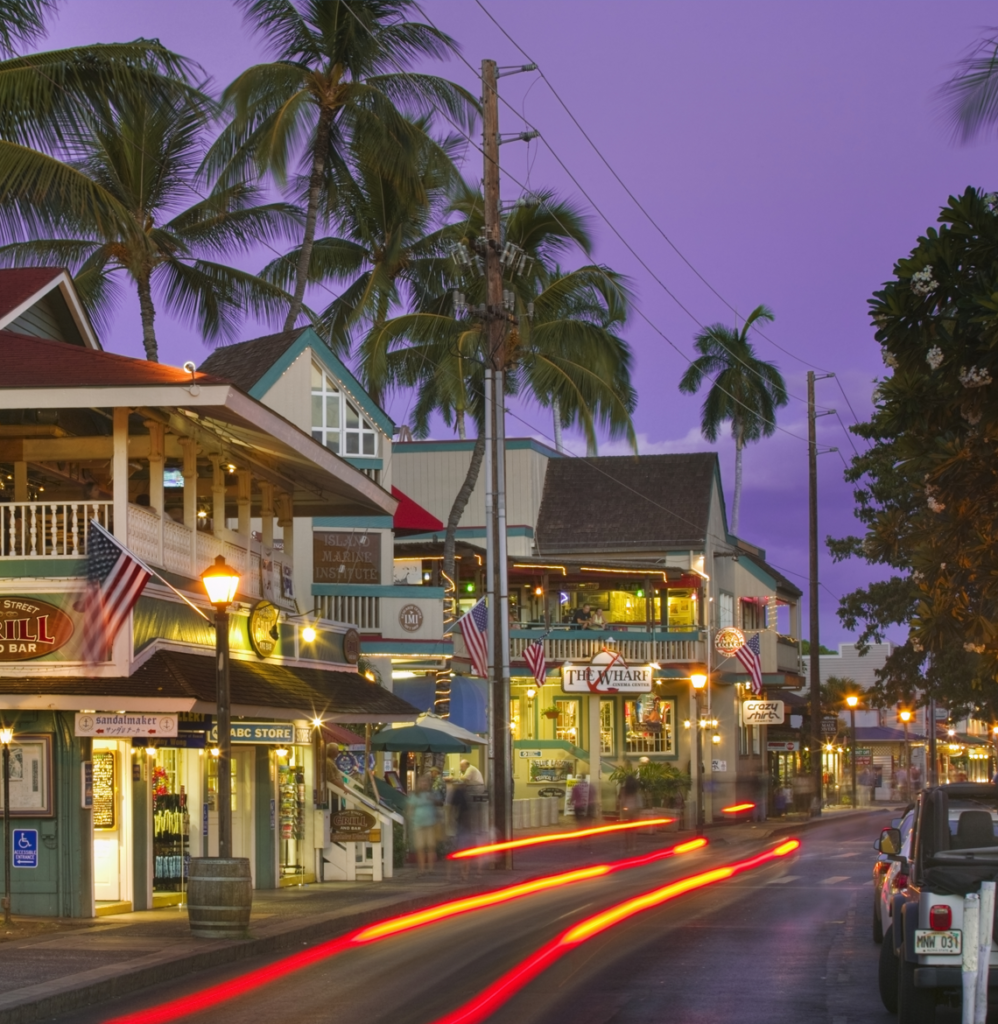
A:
[889,842]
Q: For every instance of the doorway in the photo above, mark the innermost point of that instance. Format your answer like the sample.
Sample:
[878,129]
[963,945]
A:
[112,822]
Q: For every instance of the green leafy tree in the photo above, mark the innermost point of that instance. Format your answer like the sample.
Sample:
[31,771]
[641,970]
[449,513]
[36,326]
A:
[337,87]
[745,390]
[22,21]
[926,489]
[565,344]
[139,163]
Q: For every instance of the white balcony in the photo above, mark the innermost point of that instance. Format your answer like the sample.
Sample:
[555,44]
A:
[634,647]
[38,530]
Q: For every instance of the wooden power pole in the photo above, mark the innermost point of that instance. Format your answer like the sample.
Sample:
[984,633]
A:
[812,543]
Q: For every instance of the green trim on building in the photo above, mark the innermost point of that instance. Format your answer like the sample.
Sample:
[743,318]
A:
[352,522]
[46,568]
[512,444]
[358,462]
[363,590]
[407,647]
[469,532]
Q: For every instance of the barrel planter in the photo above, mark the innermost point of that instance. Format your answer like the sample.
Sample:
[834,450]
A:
[219,897]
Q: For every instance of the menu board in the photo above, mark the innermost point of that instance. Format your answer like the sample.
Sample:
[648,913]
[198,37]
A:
[104,802]
[30,776]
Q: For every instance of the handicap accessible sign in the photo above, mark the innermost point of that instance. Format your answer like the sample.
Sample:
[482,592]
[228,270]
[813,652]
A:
[25,847]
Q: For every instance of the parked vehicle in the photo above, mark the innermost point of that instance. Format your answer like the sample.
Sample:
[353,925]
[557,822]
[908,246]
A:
[888,877]
[952,849]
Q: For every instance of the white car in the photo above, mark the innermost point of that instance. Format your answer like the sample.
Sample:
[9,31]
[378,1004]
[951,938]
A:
[889,876]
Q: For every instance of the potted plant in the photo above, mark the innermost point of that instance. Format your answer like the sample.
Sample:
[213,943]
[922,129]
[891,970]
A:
[663,786]
[550,712]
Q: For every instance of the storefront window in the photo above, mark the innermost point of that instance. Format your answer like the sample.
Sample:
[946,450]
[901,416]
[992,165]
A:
[626,606]
[170,821]
[566,725]
[291,800]
[213,785]
[514,719]
[606,713]
[651,725]
[682,610]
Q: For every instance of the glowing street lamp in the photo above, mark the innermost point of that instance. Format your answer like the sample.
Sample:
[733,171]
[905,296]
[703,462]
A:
[852,700]
[698,680]
[905,715]
[220,581]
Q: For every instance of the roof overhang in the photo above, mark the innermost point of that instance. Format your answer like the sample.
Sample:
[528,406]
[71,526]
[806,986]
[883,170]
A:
[64,283]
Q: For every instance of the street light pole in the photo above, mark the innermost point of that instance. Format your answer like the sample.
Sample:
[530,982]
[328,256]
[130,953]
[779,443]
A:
[905,716]
[699,681]
[852,700]
[220,581]
[6,737]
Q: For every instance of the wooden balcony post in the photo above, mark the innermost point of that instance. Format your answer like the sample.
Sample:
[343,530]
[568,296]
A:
[218,523]
[20,481]
[244,484]
[267,513]
[190,474]
[157,458]
[119,473]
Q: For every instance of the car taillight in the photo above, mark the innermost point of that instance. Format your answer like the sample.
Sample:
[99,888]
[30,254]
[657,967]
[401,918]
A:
[900,881]
[940,918]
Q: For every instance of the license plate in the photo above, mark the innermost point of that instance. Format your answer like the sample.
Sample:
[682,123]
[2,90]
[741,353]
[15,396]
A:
[933,943]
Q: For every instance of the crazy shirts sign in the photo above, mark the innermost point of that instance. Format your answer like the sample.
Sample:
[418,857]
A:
[88,724]
[762,712]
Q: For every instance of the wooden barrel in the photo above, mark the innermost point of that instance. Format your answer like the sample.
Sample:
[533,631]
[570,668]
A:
[219,897]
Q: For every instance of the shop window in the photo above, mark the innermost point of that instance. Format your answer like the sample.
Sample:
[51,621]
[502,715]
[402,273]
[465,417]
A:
[624,606]
[651,725]
[726,609]
[170,821]
[515,723]
[606,715]
[291,804]
[213,784]
[337,423]
[753,611]
[681,610]
[566,726]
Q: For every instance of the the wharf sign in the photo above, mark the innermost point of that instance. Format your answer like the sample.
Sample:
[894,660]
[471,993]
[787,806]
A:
[606,673]
[346,557]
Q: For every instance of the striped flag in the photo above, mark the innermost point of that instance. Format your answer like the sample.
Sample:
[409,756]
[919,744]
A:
[749,654]
[115,581]
[533,655]
[474,626]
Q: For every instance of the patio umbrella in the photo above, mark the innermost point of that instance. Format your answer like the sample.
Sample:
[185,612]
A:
[446,726]
[418,739]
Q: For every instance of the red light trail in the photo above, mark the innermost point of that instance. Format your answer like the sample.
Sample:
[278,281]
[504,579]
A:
[737,808]
[556,837]
[504,988]
[207,998]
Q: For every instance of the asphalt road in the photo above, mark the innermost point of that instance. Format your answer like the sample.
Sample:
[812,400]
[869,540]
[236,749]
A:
[785,942]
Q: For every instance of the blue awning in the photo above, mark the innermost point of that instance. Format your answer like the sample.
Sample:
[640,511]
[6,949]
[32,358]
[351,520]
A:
[469,701]
[420,693]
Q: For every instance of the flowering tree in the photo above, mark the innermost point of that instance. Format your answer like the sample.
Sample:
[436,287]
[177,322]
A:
[927,488]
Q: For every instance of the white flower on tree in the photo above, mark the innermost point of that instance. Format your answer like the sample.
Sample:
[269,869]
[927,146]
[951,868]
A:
[934,357]
[922,281]
[974,648]
[975,377]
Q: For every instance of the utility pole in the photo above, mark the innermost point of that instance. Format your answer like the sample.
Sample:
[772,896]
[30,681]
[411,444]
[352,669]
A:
[814,660]
[501,803]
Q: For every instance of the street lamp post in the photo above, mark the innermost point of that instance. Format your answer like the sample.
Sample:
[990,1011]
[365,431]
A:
[6,738]
[905,716]
[220,581]
[699,681]
[852,700]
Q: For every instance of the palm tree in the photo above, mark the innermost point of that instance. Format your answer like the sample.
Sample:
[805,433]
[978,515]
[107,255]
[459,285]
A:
[971,95]
[390,245]
[337,86]
[22,21]
[745,390]
[566,350]
[139,163]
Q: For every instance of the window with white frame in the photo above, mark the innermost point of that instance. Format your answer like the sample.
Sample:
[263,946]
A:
[337,423]
[726,609]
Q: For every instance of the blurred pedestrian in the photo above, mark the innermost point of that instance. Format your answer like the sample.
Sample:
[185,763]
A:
[462,816]
[580,800]
[423,813]
[629,805]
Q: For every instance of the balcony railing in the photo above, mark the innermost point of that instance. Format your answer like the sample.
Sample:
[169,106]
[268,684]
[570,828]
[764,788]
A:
[361,610]
[579,645]
[35,529]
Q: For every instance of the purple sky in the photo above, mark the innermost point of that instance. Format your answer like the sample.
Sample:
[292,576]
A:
[790,151]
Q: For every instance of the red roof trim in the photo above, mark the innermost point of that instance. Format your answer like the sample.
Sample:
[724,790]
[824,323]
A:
[411,517]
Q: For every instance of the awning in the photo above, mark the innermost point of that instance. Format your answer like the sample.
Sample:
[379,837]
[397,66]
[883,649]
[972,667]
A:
[419,739]
[411,518]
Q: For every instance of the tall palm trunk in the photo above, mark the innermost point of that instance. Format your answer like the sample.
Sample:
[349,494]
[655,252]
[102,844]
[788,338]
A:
[148,313]
[460,503]
[462,432]
[559,445]
[312,213]
[737,499]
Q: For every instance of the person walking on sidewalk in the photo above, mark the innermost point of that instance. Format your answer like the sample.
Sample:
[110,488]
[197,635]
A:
[422,808]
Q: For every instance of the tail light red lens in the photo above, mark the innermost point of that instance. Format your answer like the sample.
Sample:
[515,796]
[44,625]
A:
[899,882]
[940,918]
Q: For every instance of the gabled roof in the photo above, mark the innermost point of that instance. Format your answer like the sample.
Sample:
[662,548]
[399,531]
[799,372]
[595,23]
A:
[51,289]
[37,362]
[255,366]
[611,503]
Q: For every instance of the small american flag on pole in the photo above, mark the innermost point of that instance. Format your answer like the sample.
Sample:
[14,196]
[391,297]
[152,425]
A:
[474,626]
[533,655]
[115,581]
[749,654]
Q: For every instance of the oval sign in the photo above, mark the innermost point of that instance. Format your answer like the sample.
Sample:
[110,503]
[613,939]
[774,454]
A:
[263,634]
[31,629]
[729,640]
[411,618]
[351,647]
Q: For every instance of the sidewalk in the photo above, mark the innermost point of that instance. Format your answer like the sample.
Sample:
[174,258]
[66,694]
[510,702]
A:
[52,967]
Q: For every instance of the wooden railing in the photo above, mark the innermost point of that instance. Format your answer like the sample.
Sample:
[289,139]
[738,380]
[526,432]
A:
[35,529]
[637,648]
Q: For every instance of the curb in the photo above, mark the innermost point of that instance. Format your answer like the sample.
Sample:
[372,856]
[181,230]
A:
[102,984]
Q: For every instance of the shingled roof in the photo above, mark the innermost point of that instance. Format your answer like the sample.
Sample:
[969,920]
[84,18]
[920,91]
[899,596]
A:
[243,364]
[612,503]
[342,696]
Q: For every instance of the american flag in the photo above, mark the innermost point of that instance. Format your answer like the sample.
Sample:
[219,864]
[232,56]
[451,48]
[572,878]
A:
[115,581]
[533,655]
[749,654]
[474,626]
